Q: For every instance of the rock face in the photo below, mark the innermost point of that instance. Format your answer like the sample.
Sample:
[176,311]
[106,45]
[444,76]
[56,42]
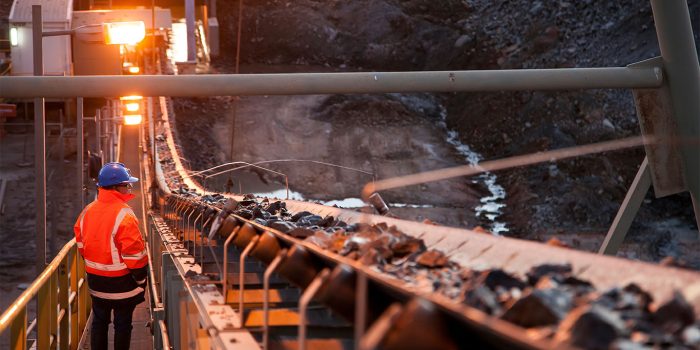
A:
[386,35]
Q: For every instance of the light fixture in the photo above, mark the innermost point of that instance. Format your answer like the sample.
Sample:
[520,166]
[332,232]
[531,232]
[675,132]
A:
[131,98]
[127,33]
[14,36]
[134,70]
[132,106]
[132,119]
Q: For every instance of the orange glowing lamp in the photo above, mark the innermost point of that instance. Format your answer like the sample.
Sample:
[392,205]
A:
[124,33]
[131,98]
[132,106]
[133,119]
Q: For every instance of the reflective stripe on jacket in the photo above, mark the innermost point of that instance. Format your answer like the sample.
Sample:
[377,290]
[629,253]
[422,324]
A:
[109,239]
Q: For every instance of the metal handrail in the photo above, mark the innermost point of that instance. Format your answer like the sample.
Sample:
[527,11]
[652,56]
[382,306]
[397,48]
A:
[60,287]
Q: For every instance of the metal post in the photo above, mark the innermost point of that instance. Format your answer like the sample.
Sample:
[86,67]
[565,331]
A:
[304,301]
[266,296]
[224,278]
[241,278]
[360,308]
[628,210]
[39,144]
[680,58]
[80,150]
[98,133]
[189,21]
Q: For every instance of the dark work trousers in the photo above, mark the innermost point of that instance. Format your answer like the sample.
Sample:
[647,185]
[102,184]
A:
[101,318]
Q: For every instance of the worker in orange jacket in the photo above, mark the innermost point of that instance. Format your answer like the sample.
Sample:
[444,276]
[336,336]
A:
[108,237]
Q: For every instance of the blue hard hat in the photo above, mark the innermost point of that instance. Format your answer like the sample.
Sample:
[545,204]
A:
[113,174]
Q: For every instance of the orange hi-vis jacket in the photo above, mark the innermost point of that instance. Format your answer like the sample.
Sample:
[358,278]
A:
[109,239]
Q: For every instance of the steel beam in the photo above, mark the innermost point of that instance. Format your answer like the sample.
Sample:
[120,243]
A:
[680,58]
[39,144]
[190,23]
[80,152]
[331,83]
[628,210]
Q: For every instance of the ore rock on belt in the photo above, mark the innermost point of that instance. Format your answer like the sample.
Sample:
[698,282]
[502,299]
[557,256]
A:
[328,221]
[483,299]
[275,207]
[309,220]
[537,272]
[331,241]
[283,226]
[539,308]
[674,315]
[499,278]
[432,258]
[300,215]
[372,257]
[244,213]
[590,327]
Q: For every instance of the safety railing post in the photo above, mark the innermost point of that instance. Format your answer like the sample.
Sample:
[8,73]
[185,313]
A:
[84,301]
[53,316]
[74,313]
[241,278]
[266,296]
[43,318]
[224,278]
[18,331]
[63,293]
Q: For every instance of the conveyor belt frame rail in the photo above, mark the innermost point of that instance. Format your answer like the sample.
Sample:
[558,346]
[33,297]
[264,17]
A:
[499,334]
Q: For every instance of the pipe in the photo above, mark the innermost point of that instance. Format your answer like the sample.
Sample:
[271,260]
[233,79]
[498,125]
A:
[331,83]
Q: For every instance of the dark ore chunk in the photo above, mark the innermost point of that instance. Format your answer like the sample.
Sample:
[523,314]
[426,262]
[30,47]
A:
[282,226]
[674,315]
[591,327]
[539,271]
[358,227]
[309,220]
[483,299]
[541,307]
[259,213]
[245,213]
[327,221]
[500,278]
[300,215]
[301,232]
[275,207]
[643,298]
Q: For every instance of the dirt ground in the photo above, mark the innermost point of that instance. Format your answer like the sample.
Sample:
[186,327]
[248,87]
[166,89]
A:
[17,220]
